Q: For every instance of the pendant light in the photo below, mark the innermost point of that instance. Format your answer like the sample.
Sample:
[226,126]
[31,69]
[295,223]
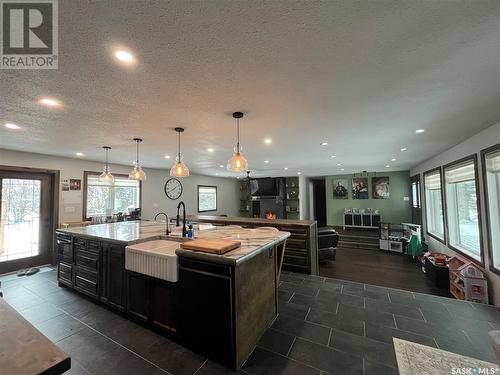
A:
[137,173]
[106,175]
[237,163]
[179,169]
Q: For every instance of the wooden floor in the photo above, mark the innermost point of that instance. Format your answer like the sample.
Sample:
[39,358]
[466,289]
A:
[379,268]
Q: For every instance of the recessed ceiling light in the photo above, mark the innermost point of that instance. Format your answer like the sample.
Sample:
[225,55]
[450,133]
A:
[79,154]
[237,178]
[266,161]
[268,141]
[323,144]
[221,166]
[210,149]
[338,164]
[12,126]
[167,156]
[393,159]
[286,168]
[404,149]
[342,169]
[124,56]
[50,102]
[299,173]
[387,166]
[333,156]
[419,130]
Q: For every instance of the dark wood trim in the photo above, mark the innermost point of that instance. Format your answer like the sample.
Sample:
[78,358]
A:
[92,173]
[416,178]
[198,197]
[11,168]
[53,194]
[472,157]
[416,212]
[483,153]
[443,206]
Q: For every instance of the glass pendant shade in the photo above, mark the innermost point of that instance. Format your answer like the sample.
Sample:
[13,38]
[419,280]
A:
[237,163]
[106,175]
[179,169]
[137,173]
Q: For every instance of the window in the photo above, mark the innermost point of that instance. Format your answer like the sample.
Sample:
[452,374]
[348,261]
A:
[462,208]
[102,198]
[434,204]
[491,169]
[207,198]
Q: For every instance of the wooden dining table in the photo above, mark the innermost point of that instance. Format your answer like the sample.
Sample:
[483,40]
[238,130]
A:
[24,350]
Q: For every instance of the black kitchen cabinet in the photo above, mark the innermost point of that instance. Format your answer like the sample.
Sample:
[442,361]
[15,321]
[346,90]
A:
[113,275]
[151,300]
[138,298]
[65,273]
[87,282]
[162,309]
[205,315]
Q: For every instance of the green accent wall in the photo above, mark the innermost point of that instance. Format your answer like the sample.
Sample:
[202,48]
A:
[392,210]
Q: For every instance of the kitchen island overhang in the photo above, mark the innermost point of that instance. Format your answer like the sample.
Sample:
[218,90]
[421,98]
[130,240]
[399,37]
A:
[220,305]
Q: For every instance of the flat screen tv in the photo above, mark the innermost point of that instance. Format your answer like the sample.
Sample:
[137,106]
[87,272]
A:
[264,187]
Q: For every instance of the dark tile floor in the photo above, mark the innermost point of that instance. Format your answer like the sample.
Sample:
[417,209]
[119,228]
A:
[324,326]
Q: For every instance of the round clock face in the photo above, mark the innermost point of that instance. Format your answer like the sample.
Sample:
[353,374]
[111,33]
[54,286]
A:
[173,188]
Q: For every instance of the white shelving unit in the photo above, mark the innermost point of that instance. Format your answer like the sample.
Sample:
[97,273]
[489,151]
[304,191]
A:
[361,220]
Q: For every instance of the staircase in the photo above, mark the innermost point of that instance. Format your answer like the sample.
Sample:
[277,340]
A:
[363,240]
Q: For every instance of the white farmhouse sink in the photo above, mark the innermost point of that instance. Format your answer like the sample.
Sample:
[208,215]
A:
[153,258]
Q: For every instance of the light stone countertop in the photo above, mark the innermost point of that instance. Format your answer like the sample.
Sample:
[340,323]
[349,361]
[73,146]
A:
[127,232]
[253,241]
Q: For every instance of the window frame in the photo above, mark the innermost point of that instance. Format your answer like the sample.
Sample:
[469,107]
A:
[474,159]
[443,206]
[85,186]
[198,197]
[416,180]
[483,153]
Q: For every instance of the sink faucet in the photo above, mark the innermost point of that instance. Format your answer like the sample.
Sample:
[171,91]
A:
[167,232]
[181,203]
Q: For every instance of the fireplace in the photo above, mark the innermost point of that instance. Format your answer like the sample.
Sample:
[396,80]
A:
[271,215]
[271,208]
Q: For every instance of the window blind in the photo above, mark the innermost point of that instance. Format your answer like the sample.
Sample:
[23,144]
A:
[460,173]
[433,181]
[493,162]
[93,180]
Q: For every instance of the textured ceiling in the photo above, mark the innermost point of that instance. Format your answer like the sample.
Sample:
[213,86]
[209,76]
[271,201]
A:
[361,75]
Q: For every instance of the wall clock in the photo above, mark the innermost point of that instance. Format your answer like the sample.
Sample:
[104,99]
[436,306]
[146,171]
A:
[173,188]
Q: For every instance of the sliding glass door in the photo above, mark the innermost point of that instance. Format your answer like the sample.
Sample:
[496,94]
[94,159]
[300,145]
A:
[25,220]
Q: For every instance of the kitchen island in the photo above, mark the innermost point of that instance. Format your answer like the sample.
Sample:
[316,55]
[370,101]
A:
[301,254]
[219,305]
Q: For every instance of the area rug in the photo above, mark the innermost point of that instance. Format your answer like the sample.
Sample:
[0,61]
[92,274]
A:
[417,359]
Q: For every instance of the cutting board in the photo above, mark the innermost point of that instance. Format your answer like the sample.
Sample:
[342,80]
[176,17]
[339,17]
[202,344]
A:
[211,246]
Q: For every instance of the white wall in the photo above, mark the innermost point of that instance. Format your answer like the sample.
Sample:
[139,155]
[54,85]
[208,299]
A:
[153,196]
[473,145]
